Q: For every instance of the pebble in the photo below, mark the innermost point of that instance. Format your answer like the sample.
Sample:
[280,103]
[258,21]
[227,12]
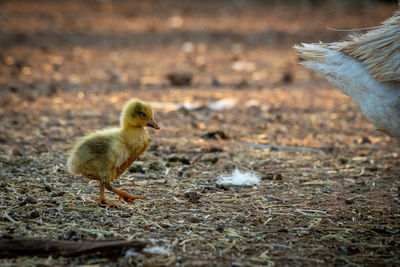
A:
[365,140]
[34,214]
[239,218]
[287,77]
[29,200]
[194,219]
[193,197]
[217,135]
[51,201]
[179,159]
[371,168]
[215,82]
[220,228]
[221,186]
[47,188]
[136,168]
[229,166]
[154,166]
[242,84]
[272,176]
[180,78]
[58,194]
[268,176]
[214,149]
[212,160]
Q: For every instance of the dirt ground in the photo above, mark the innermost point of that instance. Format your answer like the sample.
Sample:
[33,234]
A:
[329,191]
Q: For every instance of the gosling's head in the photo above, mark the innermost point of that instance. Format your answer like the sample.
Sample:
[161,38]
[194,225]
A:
[137,113]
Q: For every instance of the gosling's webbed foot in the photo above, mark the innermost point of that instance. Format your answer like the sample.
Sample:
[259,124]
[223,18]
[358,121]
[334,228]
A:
[106,203]
[130,197]
[123,194]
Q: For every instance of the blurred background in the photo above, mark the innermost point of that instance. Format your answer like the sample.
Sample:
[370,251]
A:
[62,58]
[113,45]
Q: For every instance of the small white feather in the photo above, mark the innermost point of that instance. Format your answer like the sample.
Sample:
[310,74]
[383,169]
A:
[222,104]
[239,178]
[157,250]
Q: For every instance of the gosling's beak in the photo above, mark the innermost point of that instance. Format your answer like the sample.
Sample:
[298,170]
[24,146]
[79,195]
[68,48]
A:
[153,124]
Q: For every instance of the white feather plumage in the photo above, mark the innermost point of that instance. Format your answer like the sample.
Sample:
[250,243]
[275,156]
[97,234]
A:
[366,68]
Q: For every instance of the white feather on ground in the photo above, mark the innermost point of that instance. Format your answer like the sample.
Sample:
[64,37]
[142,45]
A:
[157,250]
[239,178]
[222,104]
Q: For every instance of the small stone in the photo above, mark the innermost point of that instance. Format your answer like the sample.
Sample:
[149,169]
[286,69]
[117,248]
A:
[221,186]
[165,225]
[211,160]
[371,168]
[207,188]
[182,174]
[326,221]
[34,214]
[53,90]
[72,235]
[58,194]
[180,78]
[242,84]
[283,230]
[365,140]
[272,176]
[193,197]
[329,149]
[382,229]
[239,218]
[349,201]
[214,149]
[13,89]
[28,200]
[347,250]
[153,147]
[326,190]
[274,148]
[229,166]
[51,201]
[287,77]
[268,176]
[154,166]
[179,159]
[47,188]
[220,228]
[137,168]
[194,219]
[215,82]
[217,135]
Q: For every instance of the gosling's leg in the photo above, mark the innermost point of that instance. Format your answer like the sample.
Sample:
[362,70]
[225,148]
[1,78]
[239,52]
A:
[123,194]
[102,200]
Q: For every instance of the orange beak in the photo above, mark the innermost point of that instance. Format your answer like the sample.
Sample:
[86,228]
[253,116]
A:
[153,124]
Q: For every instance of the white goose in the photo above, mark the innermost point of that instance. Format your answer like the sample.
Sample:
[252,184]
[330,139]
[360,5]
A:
[366,68]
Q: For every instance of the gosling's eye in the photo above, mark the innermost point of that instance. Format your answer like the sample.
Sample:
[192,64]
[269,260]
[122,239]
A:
[142,114]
